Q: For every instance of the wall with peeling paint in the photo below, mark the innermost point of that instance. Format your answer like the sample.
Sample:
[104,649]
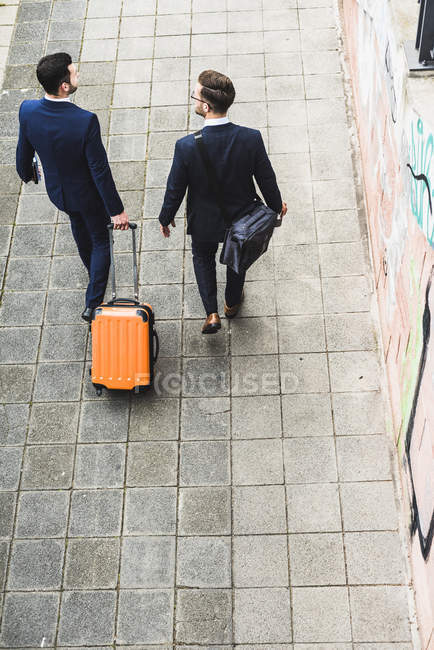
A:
[396,136]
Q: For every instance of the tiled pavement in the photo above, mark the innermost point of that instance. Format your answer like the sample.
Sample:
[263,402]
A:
[253,502]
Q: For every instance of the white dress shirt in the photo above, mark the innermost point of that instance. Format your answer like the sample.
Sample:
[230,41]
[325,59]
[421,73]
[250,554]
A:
[60,99]
[215,121]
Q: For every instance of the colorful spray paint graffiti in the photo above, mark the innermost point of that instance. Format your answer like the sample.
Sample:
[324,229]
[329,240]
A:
[421,191]
[397,149]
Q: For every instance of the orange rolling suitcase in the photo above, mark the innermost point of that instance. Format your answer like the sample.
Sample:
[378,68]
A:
[123,337]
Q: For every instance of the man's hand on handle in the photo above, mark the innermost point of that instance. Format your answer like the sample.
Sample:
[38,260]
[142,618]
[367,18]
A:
[165,230]
[120,221]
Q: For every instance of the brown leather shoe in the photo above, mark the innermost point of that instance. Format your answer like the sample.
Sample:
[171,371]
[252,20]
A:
[212,324]
[231,312]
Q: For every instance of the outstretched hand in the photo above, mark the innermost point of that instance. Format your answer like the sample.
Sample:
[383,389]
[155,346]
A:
[165,230]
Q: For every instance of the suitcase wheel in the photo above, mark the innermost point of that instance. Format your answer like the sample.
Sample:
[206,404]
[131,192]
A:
[98,389]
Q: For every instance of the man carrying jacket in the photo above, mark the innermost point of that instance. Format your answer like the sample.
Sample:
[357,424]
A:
[238,155]
[77,175]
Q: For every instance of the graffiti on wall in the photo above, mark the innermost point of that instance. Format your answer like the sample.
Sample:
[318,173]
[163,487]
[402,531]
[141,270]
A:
[418,441]
[421,191]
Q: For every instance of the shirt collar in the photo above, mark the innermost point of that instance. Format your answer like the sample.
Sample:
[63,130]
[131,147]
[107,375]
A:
[215,121]
[61,99]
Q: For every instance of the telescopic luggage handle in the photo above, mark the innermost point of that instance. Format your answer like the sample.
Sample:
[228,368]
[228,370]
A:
[133,227]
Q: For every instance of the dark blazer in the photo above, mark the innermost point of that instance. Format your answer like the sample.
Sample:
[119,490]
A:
[237,154]
[68,141]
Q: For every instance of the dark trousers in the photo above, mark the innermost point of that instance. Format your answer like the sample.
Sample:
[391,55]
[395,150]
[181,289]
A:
[205,272]
[92,239]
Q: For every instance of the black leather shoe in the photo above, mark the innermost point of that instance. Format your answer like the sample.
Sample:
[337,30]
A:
[87,314]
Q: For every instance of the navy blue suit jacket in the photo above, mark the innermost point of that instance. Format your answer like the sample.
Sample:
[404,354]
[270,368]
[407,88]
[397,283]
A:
[238,154]
[68,142]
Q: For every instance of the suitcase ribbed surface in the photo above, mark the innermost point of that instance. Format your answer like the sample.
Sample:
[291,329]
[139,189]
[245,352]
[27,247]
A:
[120,348]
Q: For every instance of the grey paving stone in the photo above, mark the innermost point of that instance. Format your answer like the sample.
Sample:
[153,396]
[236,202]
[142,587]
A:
[69,10]
[64,244]
[8,208]
[168,117]
[98,8]
[13,423]
[350,332]
[168,379]
[304,373]
[33,11]
[53,423]
[10,466]
[168,262]
[364,458]
[347,294]
[331,226]
[87,617]
[152,463]
[48,467]
[73,48]
[101,28]
[334,623]
[153,419]
[63,343]
[368,506]
[208,23]
[259,509]
[129,120]
[295,262]
[205,376]
[253,336]
[257,462]
[136,48]
[204,511]
[260,561]
[325,111]
[358,413]
[95,513]
[127,147]
[380,614]
[145,617]
[36,565]
[16,383]
[196,345]
[150,511]
[133,71]
[301,333]
[7,510]
[99,466]
[317,559]
[173,24]
[19,76]
[42,514]
[19,345]
[25,53]
[203,562]
[205,418]
[4,555]
[27,273]
[22,308]
[204,463]
[193,306]
[301,296]
[256,417]
[168,297]
[66,31]
[27,618]
[5,238]
[7,149]
[68,272]
[259,377]
[310,460]
[104,421]
[92,72]
[262,615]
[56,382]
[313,508]
[34,31]
[342,259]
[307,415]
[35,209]
[203,616]
[99,50]
[147,562]
[354,371]
[137,7]
[92,563]
[374,558]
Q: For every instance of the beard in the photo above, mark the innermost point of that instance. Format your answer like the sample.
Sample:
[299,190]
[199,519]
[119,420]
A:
[200,111]
[72,89]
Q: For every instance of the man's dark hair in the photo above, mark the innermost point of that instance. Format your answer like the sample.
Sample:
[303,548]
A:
[52,71]
[217,90]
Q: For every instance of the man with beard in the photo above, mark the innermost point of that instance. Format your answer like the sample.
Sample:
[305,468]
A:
[77,175]
[238,156]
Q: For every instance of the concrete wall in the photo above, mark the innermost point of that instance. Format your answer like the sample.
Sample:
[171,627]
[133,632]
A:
[395,121]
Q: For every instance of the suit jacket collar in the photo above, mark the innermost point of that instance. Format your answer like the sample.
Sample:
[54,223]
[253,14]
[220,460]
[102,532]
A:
[56,106]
